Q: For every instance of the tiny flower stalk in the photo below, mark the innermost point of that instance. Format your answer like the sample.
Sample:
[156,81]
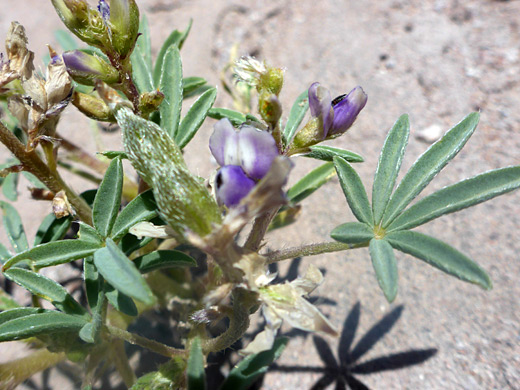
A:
[329,118]
[86,68]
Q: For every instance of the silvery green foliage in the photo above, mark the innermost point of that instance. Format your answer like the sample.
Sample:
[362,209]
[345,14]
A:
[135,238]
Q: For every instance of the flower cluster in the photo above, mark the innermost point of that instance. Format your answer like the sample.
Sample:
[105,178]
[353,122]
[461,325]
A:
[245,157]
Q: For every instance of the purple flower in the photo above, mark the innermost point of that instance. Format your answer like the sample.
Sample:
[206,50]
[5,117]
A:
[104,10]
[336,115]
[245,157]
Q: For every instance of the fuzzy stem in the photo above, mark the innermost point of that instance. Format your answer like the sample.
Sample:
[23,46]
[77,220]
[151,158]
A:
[258,230]
[238,324]
[310,250]
[33,163]
[152,345]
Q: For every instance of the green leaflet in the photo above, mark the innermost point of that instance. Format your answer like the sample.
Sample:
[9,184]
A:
[176,39]
[428,165]
[14,227]
[54,253]
[108,198]
[183,201]
[141,208]
[236,118]
[467,193]
[10,186]
[120,301]
[47,289]
[122,273]
[195,370]
[192,86]
[389,165]
[52,229]
[327,153]
[311,182]
[170,85]
[93,282]
[41,323]
[353,233]
[141,72]
[440,255]
[354,191]
[195,117]
[296,115]
[11,314]
[385,266]
[163,259]
[144,42]
[250,368]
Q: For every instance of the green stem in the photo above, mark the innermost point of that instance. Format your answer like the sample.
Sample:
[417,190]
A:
[310,250]
[152,345]
[33,163]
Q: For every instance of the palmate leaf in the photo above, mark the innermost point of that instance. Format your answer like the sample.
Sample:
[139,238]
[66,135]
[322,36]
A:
[353,233]
[108,198]
[354,191]
[250,369]
[428,165]
[311,182]
[176,38]
[440,255]
[54,253]
[141,208]
[170,84]
[388,166]
[14,227]
[41,323]
[385,266]
[122,273]
[236,118]
[467,193]
[163,259]
[296,115]
[194,117]
[195,370]
[47,289]
[327,153]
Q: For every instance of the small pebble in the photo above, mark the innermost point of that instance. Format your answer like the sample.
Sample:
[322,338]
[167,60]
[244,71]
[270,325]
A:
[430,134]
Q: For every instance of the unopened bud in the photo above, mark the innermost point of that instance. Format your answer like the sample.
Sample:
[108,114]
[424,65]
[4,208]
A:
[150,102]
[124,24]
[269,108]
[86,68]
[92,107]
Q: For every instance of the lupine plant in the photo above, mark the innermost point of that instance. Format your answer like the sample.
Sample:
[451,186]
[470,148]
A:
[161,238]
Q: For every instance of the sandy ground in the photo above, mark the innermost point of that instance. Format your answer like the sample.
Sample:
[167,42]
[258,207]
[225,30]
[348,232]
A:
[436,60]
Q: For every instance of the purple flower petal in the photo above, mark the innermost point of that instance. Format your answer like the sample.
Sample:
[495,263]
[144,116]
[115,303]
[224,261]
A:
[320,105]
[232,185]
[347,110]
[224,143]
[257,150]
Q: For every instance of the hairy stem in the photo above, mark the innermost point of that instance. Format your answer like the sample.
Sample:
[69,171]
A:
[258,230]
[310,250]
[238,324]
[33,163]
[152,345]
[122,364]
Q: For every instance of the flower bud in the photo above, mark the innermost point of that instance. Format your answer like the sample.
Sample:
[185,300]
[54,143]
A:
[269,108]
[150,102]
[83,21]
[86,68]
[92,107]
[124,24]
